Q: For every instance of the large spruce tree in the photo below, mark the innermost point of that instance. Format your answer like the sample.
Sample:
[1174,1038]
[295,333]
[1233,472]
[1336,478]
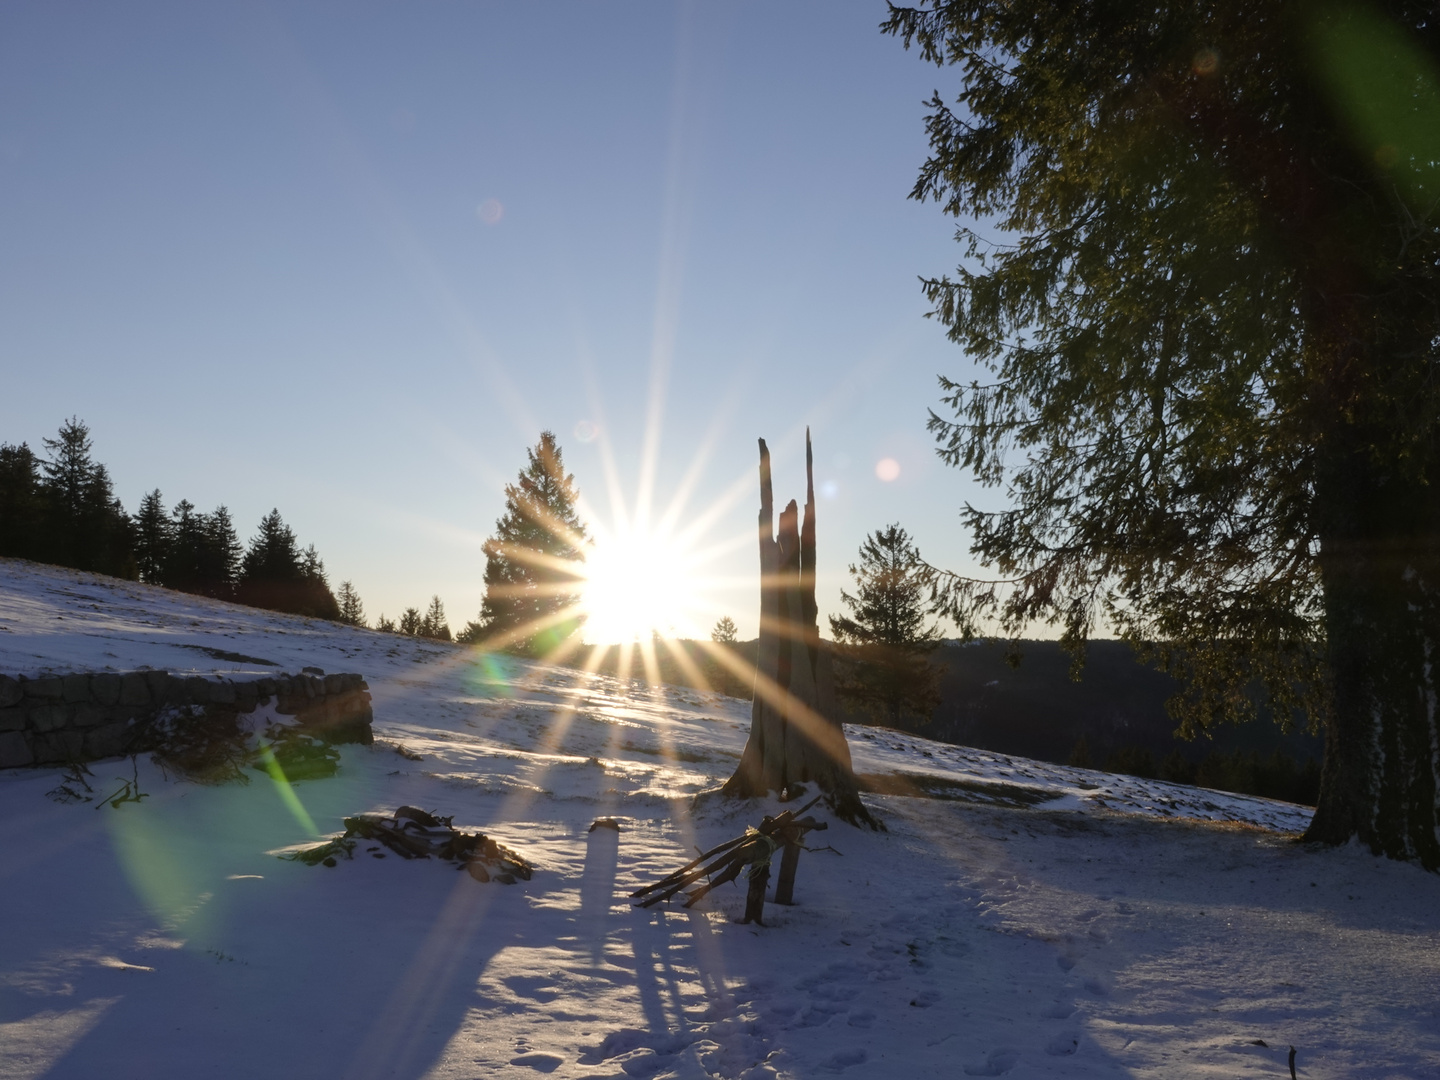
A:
[886,640]
[1203,273]
[533,562]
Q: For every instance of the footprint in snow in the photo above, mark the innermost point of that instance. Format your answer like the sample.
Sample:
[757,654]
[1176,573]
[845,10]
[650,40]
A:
[844,1059]
[996,1063]
[1058,1011]
[539,1062]
[1063,1044]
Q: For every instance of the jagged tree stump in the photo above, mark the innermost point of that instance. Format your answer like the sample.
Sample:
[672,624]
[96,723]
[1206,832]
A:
[796,736]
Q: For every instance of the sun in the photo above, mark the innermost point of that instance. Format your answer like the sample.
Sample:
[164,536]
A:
[638,584]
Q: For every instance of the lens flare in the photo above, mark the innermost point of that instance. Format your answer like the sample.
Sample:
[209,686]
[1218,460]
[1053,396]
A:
[637,585]
[887,469]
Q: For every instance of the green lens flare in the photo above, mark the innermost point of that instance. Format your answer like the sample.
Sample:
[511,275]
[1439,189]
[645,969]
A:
[1386,91]
[286,791]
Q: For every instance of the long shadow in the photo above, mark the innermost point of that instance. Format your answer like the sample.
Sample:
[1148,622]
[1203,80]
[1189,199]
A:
[381,995]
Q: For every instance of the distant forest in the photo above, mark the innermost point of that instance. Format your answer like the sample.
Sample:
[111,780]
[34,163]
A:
[1113,718]
[62,509]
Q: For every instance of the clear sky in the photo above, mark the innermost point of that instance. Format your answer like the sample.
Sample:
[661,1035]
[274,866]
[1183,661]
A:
[348,260]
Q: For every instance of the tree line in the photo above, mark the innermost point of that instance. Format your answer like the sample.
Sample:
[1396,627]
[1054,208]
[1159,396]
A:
[61,509]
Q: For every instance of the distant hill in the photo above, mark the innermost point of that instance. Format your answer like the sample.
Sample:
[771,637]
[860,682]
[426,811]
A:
[1113,718]
[1035,710]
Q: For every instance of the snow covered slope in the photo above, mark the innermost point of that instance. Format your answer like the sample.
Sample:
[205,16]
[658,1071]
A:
[1017,919]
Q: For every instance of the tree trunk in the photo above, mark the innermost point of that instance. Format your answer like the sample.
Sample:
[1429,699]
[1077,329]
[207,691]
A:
[795,732]
[1380,568]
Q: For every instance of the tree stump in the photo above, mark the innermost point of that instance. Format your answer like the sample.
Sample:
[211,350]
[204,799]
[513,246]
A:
[796,735]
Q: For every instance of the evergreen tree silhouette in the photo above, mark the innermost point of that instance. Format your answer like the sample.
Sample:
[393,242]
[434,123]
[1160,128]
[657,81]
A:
[275,574]
[533,561]
[433,625]
[352,611]
[885,646]
[152,538]
[84,524]
[22,506]
[410,622]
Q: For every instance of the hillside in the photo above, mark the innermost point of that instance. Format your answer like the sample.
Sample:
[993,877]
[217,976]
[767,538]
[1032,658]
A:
[1017,918]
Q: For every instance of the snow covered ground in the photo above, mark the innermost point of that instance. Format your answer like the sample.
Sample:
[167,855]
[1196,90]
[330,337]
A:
[1017,919]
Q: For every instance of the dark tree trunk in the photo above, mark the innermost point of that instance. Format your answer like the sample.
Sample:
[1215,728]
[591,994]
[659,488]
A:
[1380,568]
[795,732]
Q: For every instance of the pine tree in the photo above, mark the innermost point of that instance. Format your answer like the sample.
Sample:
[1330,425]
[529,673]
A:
[724,632]
[433,625]
[186,548]
[410,622]
[22,506]
[85,525]
[1210,330]
[352,611]
[220,555]
[152,538]
[533,562]
[276,574]
[885,642]
[384,625]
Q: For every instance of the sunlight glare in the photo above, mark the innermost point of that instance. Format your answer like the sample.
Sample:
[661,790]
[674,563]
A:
[635,585]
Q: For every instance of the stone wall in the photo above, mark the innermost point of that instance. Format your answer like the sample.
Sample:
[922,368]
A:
[84,717]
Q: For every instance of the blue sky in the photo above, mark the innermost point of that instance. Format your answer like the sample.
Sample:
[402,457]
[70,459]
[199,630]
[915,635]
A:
[349,259]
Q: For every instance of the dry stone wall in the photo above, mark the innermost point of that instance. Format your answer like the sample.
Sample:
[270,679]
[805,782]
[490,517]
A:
[84,717]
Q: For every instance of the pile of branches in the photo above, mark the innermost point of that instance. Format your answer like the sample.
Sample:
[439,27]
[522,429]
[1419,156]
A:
[413,833]
[752,851]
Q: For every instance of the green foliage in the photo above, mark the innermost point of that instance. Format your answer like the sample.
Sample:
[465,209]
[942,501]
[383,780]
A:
[276,574]
[410,622]
[433,624]
[1207,303]
[352,611]
[884,643]
[532,562]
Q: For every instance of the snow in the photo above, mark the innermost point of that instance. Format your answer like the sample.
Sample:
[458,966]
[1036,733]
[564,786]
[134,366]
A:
[1017,919]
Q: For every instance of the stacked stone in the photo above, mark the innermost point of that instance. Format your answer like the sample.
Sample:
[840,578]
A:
[84,717]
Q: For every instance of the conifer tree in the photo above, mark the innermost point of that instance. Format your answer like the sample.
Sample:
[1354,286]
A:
[724,631]
[276,574]
[885,641]
[533,561]
[1210,327]
[410,622]
[433,625]
[385,625]
[352,611]
[21,503]
[152,538]
[85,525]
[220,555]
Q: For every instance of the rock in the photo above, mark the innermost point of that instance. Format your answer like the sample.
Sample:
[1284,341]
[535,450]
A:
[14,750]
[88,714]
[159,684]
[112,740]
[58,746]
[246,695]
[313,671]
[14,719]
[605,823]
[198,690]
[44,689]
[105,688]
[10,692]
[76,688]
[134,689]
[49,717]
[222,693]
